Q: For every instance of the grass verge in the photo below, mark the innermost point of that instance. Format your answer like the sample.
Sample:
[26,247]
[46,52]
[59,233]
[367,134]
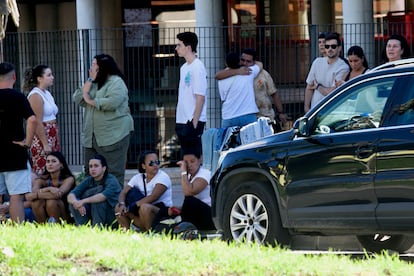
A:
[32,249]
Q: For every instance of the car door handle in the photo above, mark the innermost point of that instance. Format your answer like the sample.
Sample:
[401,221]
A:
[364,152]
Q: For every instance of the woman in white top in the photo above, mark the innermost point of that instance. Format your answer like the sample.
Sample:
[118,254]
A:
[195,180]
[153,190]
[37,80]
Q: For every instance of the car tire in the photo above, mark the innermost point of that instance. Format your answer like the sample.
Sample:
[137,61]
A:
[251,214]
[376,243]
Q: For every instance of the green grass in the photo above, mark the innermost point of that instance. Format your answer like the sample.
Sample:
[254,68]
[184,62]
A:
[32,249]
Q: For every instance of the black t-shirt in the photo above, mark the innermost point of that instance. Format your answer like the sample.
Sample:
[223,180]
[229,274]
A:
[14,109]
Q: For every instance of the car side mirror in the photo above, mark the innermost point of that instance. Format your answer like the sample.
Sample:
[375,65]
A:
[301,127]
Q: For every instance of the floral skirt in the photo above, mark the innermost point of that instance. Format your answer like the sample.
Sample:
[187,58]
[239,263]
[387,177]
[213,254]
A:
[36,150]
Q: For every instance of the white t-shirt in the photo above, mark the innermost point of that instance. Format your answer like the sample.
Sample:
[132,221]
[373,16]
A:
[160,178]
[204,195]
[193,81]
[50,109]
[237,94]
[325,74]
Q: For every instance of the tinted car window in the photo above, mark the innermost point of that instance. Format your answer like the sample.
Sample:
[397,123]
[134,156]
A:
[402,111]
[360,108]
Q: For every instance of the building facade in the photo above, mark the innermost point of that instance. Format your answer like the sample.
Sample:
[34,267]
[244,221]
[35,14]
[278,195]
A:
[141,37]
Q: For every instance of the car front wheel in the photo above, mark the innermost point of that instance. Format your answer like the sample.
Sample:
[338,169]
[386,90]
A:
[378,242]
[251,214]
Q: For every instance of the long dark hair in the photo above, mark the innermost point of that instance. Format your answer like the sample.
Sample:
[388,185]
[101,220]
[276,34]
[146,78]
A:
[141,159]
[359,52]
[65,172]
[104,163]
[107,67]
[31,75]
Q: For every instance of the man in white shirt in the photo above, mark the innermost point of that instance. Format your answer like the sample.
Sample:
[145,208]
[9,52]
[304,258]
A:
[325,73]
[191,113]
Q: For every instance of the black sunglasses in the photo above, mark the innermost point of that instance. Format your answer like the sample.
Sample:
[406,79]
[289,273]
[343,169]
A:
[333,46]
[153,163]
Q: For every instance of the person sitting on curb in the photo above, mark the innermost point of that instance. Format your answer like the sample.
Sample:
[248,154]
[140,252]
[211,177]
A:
[50,190]
[148,194]
[196,207]
[5,208]
[94,199]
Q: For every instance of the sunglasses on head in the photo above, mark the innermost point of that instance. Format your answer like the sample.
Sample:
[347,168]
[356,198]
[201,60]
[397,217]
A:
[333,46]
[153,163]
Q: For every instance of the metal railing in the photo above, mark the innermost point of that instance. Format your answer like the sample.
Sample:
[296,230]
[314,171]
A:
[148,59]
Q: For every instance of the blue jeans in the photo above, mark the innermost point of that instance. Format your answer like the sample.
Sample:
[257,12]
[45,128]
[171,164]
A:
[239,121]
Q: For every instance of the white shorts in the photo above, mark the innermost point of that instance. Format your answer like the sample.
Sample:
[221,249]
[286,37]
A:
[16,182]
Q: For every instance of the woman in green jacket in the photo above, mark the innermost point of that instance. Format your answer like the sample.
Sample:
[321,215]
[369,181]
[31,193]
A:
[107,121]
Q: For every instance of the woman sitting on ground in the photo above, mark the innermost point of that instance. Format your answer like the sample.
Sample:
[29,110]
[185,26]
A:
[49,191]
[94,199]
[147,194]
[195,180]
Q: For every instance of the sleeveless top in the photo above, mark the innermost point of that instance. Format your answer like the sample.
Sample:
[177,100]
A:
[50,109]
[349,74]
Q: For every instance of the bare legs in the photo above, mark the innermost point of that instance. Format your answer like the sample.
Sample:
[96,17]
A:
[16,208]
[43,209]
[143,221]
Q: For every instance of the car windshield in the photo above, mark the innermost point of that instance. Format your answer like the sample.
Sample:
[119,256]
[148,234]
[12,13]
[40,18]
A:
[359,108]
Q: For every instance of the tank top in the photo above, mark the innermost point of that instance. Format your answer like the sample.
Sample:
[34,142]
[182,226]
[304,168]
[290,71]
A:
[50,108]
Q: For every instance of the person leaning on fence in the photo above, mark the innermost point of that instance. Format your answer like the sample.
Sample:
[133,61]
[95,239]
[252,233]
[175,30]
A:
[15,170]
[50,190]
[37,80]
[148,194]
[107,122]
[94,199]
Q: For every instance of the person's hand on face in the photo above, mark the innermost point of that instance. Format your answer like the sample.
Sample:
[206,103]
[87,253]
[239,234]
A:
[93,71]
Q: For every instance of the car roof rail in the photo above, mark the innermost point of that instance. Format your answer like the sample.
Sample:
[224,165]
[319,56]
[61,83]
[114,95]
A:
[393,64]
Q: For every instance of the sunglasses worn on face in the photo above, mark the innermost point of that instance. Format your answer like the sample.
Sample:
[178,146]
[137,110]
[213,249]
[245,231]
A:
[153,163]
[333,46]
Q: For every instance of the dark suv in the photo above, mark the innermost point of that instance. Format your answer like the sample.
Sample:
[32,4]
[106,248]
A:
[345,168]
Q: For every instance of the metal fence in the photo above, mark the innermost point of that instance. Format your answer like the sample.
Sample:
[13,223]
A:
[147,57]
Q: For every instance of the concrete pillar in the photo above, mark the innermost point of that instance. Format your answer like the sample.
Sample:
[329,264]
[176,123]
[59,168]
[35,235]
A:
[279,12]
[322,18]
[87,13]
[210,51]
[358,27]
[322,12]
